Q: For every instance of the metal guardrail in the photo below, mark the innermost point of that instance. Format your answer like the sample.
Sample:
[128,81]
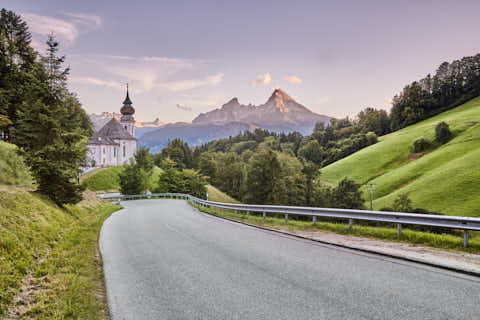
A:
[399,218]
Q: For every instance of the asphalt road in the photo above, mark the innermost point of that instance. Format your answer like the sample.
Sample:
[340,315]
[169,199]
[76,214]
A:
[164,260]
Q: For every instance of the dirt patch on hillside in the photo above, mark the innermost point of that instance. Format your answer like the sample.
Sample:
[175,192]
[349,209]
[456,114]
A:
[415,155]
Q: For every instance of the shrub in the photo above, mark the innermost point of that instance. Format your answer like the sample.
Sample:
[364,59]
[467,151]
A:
[185,181]
[442,132]
[371,138]
[420,145]
[402,203]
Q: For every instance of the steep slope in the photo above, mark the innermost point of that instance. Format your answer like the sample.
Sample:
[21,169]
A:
[49,266]
[12,167]
[445,179]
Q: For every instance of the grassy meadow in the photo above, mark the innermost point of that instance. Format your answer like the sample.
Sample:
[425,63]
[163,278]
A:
[444,179]
[107,180]
[13,170]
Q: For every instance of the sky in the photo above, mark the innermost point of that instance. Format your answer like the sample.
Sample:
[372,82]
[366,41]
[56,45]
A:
[182,58]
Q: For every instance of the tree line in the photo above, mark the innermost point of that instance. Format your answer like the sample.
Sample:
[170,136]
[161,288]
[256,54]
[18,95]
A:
[38,113]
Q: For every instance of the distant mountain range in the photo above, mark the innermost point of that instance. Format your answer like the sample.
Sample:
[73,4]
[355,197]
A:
[99,120]
[280,113]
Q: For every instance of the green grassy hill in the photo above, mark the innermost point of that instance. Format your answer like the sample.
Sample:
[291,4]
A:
[218,196]
[445,179]
[12,167]
[106,179]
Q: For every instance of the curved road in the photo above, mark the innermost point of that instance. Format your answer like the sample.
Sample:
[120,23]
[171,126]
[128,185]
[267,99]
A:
[164,260]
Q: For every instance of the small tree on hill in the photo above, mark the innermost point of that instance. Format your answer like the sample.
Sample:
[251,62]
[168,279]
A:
[421,144]
[402,203]
[133,180]
[347,195]
[442,132]
[144,160]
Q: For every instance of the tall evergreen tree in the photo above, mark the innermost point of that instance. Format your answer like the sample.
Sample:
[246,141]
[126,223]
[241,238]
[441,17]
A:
[52,130]
[17,60]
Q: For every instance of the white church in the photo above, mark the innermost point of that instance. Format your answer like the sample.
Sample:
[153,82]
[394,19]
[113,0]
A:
[114,144]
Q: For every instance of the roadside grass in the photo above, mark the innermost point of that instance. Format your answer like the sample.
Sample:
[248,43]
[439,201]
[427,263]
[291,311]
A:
[50,266]
[216,195]
[107,179]
[103,179]
[13,170]
[442,241]
[445,179]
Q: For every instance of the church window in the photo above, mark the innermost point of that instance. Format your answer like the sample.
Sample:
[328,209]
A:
[124,153]
[103,150]
[125,127]
[114,152]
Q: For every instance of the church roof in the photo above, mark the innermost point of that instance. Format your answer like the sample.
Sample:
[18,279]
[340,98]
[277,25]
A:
[127,108]
[98,139]
[113,130]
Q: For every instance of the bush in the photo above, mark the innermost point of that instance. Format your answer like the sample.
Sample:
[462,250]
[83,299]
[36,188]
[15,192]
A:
[186,181]
[402,203]
[421,145]
[442,132]
[371,138]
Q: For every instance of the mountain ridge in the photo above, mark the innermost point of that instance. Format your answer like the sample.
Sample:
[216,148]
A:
[278,109]
[280,113]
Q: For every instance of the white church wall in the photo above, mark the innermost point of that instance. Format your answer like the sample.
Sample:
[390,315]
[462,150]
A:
[104,155]
[128,148]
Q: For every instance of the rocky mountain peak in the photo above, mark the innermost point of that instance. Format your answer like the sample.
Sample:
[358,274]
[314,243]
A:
[279,99]
[279,95]
[231,104]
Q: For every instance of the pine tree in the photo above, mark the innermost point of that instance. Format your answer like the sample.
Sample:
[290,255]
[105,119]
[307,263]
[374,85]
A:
[17,60]
[52,130]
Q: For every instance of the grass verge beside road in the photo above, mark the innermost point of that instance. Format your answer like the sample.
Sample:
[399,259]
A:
[50,265]
[442,241]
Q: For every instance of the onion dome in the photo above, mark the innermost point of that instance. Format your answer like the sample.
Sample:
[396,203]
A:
[127,108]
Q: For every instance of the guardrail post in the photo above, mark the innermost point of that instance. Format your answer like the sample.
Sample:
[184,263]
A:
[314,222]
[399,230]
[264,215]
[465,238]
[286,217]
[350,224]
[248,213]
[235,211]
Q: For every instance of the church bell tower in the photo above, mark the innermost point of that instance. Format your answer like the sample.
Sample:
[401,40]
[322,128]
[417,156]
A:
[127,120]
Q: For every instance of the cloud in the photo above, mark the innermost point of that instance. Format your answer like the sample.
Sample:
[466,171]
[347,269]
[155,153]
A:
[96,82]
[293,79]
[144,73]
[44,25]
[66,29]
[183,85]
[91,21]
[185,108]
[261,79]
